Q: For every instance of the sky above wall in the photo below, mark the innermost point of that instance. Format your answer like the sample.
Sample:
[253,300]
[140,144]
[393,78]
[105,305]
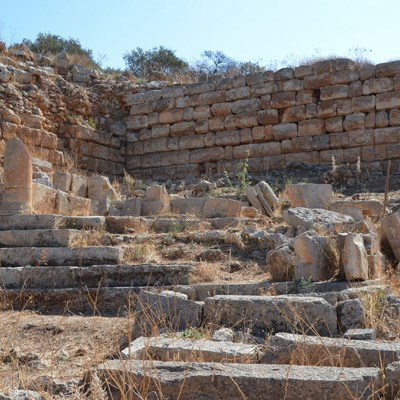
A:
[271,32]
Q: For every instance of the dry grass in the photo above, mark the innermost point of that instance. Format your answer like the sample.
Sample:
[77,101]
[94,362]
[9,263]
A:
[141,253]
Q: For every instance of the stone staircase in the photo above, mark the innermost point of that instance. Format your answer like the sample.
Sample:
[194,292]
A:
[44,266]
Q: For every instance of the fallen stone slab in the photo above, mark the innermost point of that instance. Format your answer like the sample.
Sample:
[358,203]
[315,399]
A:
[94,276]
[169,311]
[38,238]
[287,348]
[190,205]
[268,209]
[81,256]
[196,381]
[262,315]
[251,195]
[268,195]
[30,222]
[177,349]
[318,219]
[309,195]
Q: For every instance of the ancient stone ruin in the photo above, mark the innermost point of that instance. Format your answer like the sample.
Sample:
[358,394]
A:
[153,201]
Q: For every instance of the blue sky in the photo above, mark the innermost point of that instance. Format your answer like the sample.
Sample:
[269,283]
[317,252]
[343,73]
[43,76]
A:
[265,31]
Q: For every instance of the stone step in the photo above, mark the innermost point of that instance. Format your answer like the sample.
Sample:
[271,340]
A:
[289,348]
[94,276]
[201,380]
[30,222]
[49,221]
[261,315]
[178,349]
[341,288]
[38,238]
[48,256]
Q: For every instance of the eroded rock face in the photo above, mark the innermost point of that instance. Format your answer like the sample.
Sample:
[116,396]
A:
[17,195]
[354,257]
[309,195]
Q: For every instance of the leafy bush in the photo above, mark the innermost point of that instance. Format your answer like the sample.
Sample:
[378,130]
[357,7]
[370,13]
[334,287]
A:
[143,63]
[49,44]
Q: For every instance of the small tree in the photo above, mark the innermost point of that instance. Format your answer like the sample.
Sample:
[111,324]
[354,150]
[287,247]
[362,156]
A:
[142,63]
[217,64]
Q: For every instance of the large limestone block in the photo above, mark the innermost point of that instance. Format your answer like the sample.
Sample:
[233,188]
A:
[212,381]
[17,194]
[391,228]
[262,315]
[318,219]
[316,257]
[309,195]
[281,264]
[220,207]
[354,258]
[62,181]
[167,311]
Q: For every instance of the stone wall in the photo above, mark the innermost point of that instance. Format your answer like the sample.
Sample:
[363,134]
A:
[276,119]
[303,115]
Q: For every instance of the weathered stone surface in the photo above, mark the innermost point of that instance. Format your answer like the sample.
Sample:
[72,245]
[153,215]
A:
[351,314]
[316,259]
[391,228]
[309,195]
[220,207]
[62,181]
[168,311]
[354,257]
[292,348]
[124,224]
[17,195]
[196,381]
[281,264]
[328,221]
[266,314]
[166,349]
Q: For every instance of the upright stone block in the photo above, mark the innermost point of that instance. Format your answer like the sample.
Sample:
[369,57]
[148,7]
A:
[17,195]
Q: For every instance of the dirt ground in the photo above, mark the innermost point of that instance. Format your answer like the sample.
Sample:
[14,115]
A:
[55,346]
